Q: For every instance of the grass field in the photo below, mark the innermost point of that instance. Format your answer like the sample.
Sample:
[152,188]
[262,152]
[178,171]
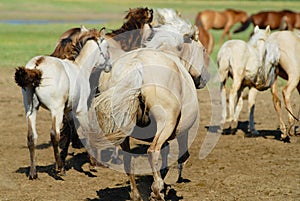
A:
[22,41]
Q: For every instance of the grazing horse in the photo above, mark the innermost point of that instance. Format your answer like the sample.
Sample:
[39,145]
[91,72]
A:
[264,19]
[221,20]
[250,65]
[205,37]
[161,87]
[290,21]
[61,86]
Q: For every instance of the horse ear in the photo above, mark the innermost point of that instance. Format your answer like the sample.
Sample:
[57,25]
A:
[268,30]
[102,32]
[82,27]
[256,29]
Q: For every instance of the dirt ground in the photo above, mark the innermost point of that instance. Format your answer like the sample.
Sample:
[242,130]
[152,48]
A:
[239,168]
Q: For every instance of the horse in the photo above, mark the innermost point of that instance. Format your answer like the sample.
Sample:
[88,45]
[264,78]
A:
[205,37]
[221,20]
[288,69]
[250,65]
[61,86]
[266,18]
[120,40]
[290,21]
[162,87]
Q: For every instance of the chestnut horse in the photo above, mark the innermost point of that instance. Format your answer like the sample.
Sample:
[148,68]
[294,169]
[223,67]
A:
[271,18]
[221,20]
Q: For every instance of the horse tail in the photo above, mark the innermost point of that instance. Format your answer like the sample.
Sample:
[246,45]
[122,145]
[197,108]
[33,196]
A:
[117,107]
[28,77]
[244,26]
[223,61]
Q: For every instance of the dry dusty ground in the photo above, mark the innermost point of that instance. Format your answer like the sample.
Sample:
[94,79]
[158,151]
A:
[239,168]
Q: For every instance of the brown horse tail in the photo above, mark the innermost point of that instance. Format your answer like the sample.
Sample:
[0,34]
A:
[244,26]
[28,77]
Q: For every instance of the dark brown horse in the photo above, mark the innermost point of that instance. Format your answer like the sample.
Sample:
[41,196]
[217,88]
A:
[272,18]
[221,20]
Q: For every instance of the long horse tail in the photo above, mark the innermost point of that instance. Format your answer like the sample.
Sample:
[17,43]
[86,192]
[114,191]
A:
[244,26]
[117,107]
[28,77]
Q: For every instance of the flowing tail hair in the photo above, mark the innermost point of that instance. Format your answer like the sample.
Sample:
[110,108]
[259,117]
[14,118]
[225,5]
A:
[28,77]
[116,108]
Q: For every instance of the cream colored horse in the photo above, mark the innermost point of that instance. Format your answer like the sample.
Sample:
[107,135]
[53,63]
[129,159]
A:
[61,86]
[249,65]
[289,69]
[160,86]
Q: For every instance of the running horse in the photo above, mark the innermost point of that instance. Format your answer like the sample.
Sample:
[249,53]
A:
[61,86]
[120,40]
[221,20]
[272,18]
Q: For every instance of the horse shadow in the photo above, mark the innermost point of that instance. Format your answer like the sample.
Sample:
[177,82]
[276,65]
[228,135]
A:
[244,125]
[144,186]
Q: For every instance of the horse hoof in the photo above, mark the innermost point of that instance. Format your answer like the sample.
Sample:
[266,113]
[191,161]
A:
[285,138]
[32,177]
[116,161]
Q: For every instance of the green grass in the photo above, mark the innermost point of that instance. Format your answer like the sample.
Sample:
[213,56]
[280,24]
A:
[19,43]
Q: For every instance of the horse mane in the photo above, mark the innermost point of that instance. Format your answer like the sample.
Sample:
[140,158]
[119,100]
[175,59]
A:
[129,35]
[66,41]
[70,46]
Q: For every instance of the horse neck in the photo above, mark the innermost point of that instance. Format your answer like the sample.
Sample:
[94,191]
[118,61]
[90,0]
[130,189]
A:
[89,57]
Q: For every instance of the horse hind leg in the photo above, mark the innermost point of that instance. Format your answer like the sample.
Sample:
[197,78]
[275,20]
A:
[31,143]
[287,92]
[57,118]
[183,154]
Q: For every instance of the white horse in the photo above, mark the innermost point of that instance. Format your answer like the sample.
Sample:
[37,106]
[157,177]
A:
[154,82]
[249,65]
[60,85]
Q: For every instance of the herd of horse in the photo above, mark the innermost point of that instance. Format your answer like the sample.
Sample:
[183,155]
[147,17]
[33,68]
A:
[149,70]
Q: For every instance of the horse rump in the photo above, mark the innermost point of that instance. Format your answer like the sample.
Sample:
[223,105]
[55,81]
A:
[28,77]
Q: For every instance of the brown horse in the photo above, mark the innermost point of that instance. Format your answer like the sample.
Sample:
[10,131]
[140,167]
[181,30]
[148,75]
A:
[265,18]
[221,20]
[290,21]
[205,37]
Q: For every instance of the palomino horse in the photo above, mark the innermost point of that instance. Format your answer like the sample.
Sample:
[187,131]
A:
[267,18]
[250,65]
[289,69]
[61,86]
[221,20]
[161,87]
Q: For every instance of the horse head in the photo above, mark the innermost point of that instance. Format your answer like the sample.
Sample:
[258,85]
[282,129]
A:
[193,55]
[139,16]
[268,54]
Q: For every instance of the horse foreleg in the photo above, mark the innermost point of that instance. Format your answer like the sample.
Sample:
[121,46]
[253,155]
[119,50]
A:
[251,106]
[128,167]
[239,105]
[57,117]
